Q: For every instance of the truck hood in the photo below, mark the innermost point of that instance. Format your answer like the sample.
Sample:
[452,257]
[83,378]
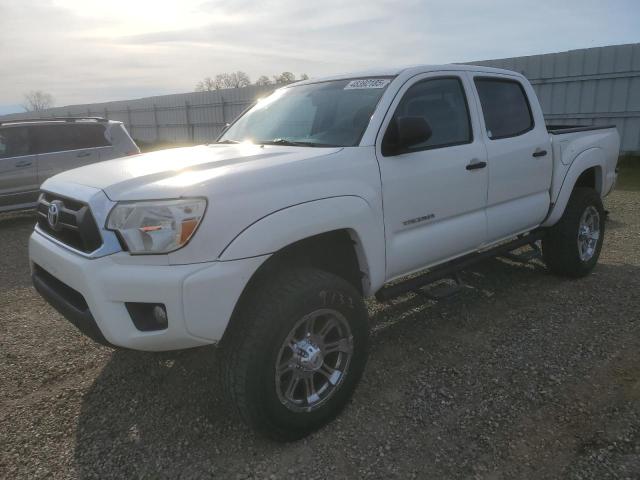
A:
[179,171]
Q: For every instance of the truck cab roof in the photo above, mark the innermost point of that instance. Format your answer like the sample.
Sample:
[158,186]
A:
[409,71]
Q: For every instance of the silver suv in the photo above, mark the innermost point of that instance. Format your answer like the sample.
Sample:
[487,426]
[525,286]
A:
[33,150]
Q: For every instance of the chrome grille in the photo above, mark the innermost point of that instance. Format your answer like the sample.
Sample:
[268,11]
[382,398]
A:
[68,221]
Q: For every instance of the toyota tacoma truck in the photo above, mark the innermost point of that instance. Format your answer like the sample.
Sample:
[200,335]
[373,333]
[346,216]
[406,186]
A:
[321,194]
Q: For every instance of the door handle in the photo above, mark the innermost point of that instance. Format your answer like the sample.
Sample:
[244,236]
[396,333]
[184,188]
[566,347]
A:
[83,154]
[23,163]
[476,164]
[539,153]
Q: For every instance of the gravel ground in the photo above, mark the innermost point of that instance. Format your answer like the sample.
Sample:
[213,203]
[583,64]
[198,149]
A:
[522,375]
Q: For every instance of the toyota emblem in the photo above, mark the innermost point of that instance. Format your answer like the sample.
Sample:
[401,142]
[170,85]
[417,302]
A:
[53,214]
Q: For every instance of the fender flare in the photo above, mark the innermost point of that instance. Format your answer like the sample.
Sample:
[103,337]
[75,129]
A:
[298,222]
[590,158]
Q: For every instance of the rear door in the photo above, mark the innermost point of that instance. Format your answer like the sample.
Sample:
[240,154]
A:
[519,153]
[18,174]
[63,146]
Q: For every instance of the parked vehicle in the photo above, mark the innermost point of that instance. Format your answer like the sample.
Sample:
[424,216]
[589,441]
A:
[323,193]
[33,150]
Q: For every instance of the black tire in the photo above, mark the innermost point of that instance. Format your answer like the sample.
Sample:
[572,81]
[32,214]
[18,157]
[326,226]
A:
[560,244]
[258,331]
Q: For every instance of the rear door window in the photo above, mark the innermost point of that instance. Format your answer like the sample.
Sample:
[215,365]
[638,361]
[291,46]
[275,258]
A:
[14,142]
[54,138]
[73,136]
[505,107]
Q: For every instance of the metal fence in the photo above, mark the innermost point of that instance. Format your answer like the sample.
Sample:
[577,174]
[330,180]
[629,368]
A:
[589,86]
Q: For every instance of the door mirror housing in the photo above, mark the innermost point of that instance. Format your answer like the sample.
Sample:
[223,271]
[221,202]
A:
[404,133]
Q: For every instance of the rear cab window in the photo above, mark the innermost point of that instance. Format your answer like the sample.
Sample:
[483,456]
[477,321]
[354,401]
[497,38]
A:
[505,107]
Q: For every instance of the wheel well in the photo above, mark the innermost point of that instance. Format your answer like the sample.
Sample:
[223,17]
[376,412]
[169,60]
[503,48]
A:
[590,178]
[334,252]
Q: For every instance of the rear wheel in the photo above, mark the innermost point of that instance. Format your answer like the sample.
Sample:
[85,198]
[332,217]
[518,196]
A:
[295,352]
[572,246]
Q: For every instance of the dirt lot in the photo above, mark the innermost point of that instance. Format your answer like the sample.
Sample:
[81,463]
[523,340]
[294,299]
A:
[522,375]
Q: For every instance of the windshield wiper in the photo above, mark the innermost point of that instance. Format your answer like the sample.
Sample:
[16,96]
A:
[291,143]
[227,141]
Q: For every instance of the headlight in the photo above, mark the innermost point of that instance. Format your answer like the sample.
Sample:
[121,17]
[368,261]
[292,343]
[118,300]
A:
[159,226]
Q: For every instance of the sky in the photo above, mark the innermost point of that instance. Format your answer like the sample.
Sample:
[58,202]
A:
[85,51]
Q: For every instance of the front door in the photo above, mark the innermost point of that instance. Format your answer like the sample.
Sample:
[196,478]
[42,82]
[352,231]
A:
[434,194]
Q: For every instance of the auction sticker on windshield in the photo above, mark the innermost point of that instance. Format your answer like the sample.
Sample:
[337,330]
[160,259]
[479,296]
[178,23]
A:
[367,83]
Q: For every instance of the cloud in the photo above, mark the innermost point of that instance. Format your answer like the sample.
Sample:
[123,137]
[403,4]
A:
[88,50]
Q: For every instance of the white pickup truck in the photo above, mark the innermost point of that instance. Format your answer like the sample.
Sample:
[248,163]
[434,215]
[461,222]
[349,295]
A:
[323,193]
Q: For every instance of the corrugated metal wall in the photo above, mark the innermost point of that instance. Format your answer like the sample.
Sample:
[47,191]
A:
[196,117]
[589,86]
[598,86]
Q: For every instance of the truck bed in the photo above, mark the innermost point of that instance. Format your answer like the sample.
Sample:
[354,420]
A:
[561,129]
[568,142]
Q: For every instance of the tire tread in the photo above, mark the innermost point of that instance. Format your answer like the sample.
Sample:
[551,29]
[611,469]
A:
[250,325]
[559,247]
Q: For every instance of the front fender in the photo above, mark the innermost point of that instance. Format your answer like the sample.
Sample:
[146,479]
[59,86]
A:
[292,224]
[593,157]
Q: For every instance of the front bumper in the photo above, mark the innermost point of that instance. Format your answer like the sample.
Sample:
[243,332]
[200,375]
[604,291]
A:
[68,302]
[91,293]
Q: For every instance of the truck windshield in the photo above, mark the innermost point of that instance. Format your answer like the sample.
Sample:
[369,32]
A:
[327,114]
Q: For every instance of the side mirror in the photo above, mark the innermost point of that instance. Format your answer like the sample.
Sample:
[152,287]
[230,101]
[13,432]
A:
[412,131]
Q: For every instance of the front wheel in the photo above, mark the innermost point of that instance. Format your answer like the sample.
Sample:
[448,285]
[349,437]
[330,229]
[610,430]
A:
[571,247]
[295,352]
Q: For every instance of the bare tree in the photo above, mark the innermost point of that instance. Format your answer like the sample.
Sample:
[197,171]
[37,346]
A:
[37,100]
[237,79]
[241,79]
[284,78]
[207,85]
[222,81]
[263,81]
[233,80]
